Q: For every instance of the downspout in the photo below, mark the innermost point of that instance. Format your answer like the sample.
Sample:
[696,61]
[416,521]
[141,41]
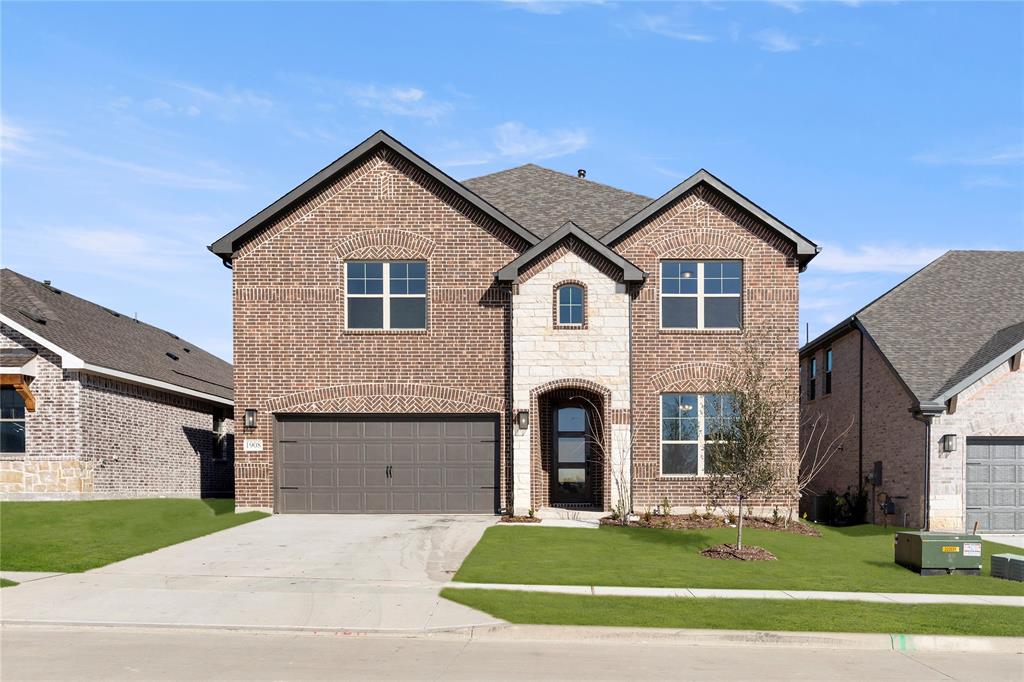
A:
[860,423]
[629,359]
[927,472]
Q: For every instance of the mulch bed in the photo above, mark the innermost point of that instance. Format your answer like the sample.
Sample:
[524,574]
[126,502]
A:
[748,553]
[696,522]
[519,519]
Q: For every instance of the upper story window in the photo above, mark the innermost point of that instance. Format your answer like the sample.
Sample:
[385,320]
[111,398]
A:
[828,371]
[386,295]
[570,305]
[812,377]
[12,421]
[701,294]
[688,422]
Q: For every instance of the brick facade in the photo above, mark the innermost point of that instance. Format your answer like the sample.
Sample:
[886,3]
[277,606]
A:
[705,225]
[890,432]
[96,437]
[485,348]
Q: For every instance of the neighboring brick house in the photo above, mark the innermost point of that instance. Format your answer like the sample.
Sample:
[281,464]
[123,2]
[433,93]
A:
[927,378]
[95,404]
[405,342]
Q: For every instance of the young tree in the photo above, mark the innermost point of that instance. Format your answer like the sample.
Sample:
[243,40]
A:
[742,421]
[601,451]
[815,453]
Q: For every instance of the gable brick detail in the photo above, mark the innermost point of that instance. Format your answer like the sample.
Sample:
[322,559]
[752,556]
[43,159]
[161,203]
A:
[387,398]
[382,244]
[695,377]
[701,242]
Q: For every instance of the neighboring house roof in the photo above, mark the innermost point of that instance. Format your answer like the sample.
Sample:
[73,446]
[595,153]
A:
[226,245]
[95,339]
[630,272]
[542,200]
[948,324]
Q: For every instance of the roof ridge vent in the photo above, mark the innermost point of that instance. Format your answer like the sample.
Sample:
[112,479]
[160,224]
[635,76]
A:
[112,312]
[582,173]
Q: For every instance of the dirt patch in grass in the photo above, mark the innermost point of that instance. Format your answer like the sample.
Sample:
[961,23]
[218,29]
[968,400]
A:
[729,552]
[520,519]
[697,522]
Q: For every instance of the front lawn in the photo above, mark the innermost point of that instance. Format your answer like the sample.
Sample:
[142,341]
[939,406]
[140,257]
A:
[743,614]
[854,559]
[68,537]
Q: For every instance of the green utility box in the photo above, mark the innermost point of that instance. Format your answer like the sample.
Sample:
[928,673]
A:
[939,553]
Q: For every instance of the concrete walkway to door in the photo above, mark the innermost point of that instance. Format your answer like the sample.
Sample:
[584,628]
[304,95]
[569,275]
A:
[356,572]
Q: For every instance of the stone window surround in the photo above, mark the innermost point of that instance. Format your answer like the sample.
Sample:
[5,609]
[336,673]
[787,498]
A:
[700,297]
[379,258]
[554,305]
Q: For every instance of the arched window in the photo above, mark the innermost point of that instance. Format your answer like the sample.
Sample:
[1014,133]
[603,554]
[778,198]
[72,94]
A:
[571,305]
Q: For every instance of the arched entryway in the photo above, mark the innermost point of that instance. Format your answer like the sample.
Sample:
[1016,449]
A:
[569,449]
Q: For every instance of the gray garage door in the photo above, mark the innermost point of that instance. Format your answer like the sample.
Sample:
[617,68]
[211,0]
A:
[995,484]
[386,464]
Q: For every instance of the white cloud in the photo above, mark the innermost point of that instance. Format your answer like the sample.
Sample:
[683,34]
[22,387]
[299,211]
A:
[671,27]
[13,138]
[229,96]
[992,181]
[993,156]
[513,139]
[875,258]
[159,176]
[549,7]
[125,248]
[398,101]
[774,40]
[789,6]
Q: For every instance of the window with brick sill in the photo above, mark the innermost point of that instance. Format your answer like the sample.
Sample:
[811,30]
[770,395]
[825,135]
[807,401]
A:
[689,421]
[12,421]
[812,377]
[386,295]
[828,371]
[701,294]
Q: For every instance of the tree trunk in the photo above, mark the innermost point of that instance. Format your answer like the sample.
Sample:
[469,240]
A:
[739,525]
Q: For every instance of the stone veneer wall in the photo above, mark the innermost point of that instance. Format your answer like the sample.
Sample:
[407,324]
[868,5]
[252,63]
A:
[993,406]
[543,354]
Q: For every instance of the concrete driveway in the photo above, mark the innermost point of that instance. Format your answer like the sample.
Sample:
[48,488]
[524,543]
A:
[301,571]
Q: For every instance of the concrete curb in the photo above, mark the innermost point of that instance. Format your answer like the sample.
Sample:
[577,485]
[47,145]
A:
[706,593]
[598,634]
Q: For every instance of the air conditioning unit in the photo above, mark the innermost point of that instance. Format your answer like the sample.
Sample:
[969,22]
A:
[1008,567]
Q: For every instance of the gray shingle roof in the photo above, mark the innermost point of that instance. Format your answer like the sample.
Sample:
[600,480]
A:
[107,339]
[542,200]
[950,319]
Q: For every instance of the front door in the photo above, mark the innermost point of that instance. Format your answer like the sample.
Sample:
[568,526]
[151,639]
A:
[570,448]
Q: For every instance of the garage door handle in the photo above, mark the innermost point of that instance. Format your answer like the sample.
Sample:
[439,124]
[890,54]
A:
[289,487]
[974,507]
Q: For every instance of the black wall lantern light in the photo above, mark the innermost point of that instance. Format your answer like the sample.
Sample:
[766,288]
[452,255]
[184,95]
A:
[250,419]
[523,419]
[949,442]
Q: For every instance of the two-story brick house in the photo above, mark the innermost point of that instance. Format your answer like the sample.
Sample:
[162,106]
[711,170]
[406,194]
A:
[405,342]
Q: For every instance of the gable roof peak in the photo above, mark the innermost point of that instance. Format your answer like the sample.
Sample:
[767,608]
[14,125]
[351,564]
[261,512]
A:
[226,245]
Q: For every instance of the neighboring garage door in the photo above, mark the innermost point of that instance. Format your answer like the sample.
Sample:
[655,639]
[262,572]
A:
[995,484]
[386,464]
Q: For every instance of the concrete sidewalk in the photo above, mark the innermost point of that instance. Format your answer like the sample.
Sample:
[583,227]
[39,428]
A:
[701,593]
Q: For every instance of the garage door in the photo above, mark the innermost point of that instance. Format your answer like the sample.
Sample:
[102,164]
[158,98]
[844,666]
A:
[386,464]
[995,484]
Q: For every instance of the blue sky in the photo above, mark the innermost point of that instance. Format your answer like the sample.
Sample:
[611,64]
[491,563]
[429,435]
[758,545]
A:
[136,134]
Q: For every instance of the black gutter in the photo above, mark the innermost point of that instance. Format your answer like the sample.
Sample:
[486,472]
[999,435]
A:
[860,423]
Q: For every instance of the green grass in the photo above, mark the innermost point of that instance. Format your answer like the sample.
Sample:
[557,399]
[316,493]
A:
[854,559]
[68,537]
[4,582]
[743,614]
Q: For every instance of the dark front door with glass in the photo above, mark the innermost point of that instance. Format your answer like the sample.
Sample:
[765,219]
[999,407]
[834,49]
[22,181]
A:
[570,484]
